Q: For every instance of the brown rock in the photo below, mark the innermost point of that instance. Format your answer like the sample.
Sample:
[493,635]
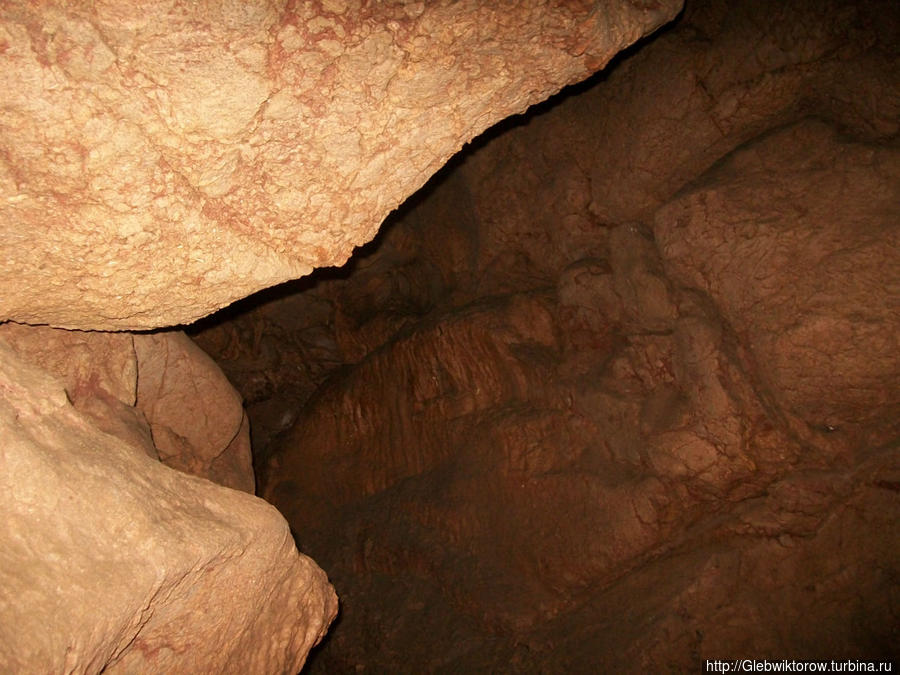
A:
[112,562]
[160,162]
[454,371]
[616,392]
[795,239]
[543,194]
[644,441]
[812,588]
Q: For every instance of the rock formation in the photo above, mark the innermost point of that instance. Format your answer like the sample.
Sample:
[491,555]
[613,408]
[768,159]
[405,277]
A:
[159,161]
[617,391]
[112,561]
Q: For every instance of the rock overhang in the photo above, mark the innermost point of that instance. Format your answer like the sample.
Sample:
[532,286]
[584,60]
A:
[161,162]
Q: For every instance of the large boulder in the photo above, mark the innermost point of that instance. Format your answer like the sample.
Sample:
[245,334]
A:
[160,161]
[113,562]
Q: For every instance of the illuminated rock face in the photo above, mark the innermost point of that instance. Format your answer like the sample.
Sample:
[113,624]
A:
[160,160]
[110,560]
[618,392]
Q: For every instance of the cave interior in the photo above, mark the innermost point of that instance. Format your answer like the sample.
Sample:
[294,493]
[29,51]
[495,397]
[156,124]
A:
[616,390]
[618,385]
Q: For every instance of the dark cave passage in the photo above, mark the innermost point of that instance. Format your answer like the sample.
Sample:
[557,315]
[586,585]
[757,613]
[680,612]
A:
[619,386]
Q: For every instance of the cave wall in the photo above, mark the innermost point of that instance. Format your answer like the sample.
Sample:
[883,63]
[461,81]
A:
[620,385]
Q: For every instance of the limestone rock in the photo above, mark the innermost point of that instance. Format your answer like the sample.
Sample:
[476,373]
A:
[796,240]
[99,372]
[158,392]
[161,161]
[196,417]
[455,372]
[113,562]
[617,152]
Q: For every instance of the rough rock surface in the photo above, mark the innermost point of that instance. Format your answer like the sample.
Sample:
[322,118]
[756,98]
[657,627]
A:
[99,372]
[158,392]
[159,161]
[620,388]
[196,417]
[814,283]
[113,562]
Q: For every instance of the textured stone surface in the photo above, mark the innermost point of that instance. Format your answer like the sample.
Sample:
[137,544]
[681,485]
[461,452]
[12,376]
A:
[99,372]
[113,562]
[619,389]
[159,392]
[158,162]
[796,240]
[195,415]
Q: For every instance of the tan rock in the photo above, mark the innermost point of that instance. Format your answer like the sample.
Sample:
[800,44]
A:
[99,372]
[162,161]
[112,562]
[158,392]
[197,419]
